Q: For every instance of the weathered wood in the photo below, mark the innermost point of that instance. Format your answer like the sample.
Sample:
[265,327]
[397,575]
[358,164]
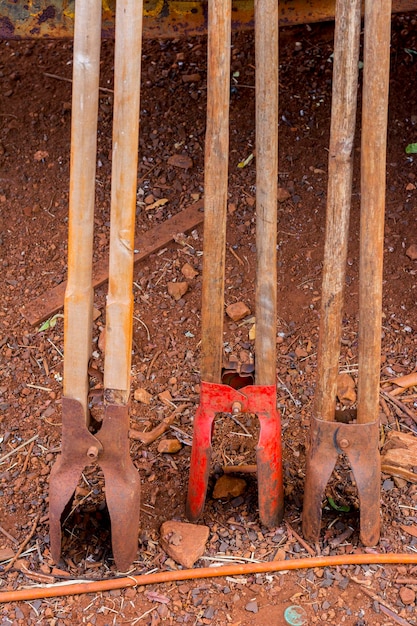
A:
[49,303]
[215,184]
[373,174]
[266,85]
[79,291]
[399,455]
[339,190]
[119,307]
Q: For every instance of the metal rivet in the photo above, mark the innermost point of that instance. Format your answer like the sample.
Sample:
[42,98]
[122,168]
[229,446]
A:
[92,452]
[344,443]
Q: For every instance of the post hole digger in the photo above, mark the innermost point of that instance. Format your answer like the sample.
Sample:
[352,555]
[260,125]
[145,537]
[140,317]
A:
[216,397]
[107,443]
[357,439]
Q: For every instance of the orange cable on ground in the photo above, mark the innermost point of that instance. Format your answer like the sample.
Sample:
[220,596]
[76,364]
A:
[68,589]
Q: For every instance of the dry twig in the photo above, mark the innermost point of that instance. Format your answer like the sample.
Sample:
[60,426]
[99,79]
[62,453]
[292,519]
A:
[23,545]
[22,445]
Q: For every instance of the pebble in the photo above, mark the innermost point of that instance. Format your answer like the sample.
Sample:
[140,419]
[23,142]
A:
[169,446]
[141,395]
[180,160]
[188,271]
[407,595]
[185,543]
[177,290]
[411,252]
[346,389]
[237,311]
[252,606]
[229,487]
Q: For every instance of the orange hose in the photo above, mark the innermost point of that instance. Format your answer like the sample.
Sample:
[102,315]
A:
[69,589]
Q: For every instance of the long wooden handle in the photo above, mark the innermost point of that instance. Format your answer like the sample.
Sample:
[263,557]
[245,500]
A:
[373,173]
[215,184]
[79,291]
[119,308]
[339,189]
[266,50]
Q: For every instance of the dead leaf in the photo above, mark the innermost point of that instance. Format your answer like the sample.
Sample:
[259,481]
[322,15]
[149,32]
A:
[409,380]
[154,596]
[157,204]
[180,160]
[346,389]
[411,530]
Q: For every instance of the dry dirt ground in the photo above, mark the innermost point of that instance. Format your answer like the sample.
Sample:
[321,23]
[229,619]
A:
[35,115]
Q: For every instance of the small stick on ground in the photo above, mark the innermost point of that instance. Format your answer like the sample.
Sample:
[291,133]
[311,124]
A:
[238,259]
[8,535]
[152,363]
[22,445]
[23,545]
[150,437]
[400,405]
[29,452]
[240,469]
[384,607]
[69,80]
[300,540]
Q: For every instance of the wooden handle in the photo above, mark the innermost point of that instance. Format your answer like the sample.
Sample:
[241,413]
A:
[79,291]
[339,189]
[215,183]
[266,50]
[373,173]
[119,308]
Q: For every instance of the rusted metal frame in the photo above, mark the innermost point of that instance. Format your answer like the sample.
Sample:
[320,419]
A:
[358,441]
[172,18]
[78,306]
[109,445]
[215,397]
[256,399]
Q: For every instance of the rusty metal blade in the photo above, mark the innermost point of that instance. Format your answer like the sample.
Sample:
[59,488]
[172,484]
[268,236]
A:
[122,485]
[110,449]
[359,442]
[77,441]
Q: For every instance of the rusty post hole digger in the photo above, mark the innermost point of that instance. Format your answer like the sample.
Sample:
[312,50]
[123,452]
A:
[104,441]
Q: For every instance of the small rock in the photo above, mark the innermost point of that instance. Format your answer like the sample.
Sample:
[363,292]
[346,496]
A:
[346,389]
[237,311]
[180,160]
[141,395]
[102,341]
[177,290]
[191,78]
[169,446]
[407,595]
[165,397]
[252,606]
[229,487]
[6,554]
[185,543]
[283,194]
[41,155]
[96,314]
[411,252]
[188,271]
